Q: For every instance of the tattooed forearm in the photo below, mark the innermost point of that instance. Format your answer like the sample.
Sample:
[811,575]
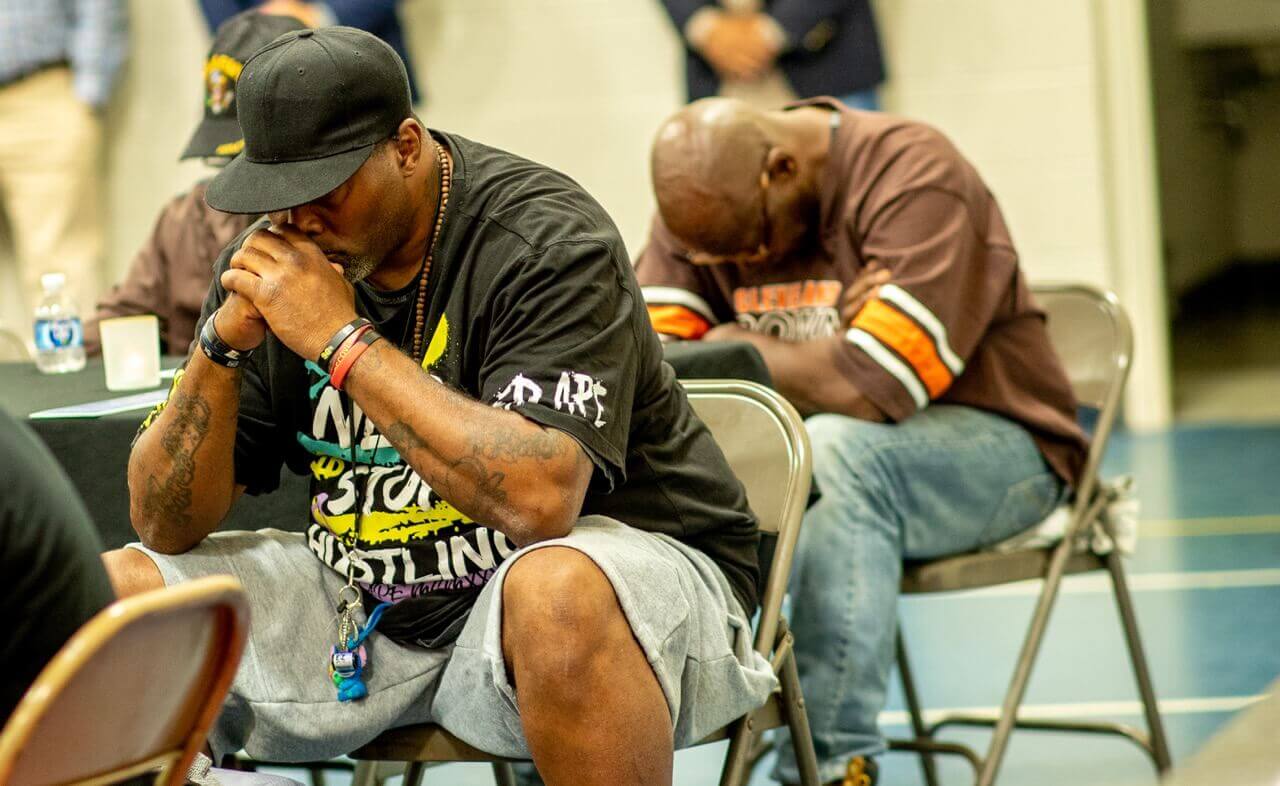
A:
[403,437]
[477,480]
[187,426]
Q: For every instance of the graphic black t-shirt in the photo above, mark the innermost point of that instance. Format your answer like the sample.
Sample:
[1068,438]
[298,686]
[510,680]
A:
[533,307]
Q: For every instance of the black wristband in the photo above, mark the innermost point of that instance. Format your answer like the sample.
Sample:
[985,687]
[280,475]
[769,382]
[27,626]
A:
[343,333]
[219,351]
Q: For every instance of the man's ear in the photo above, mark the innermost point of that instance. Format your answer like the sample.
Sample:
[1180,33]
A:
[409,144]
[780,164]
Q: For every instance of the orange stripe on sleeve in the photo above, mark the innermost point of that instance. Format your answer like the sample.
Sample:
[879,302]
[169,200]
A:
[905,337]
[678,321]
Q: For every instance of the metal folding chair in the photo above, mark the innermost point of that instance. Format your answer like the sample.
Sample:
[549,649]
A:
[1092,336]
[765,442]
[133,693]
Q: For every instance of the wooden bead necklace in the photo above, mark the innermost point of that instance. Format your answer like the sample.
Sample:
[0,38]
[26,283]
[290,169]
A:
[420,301]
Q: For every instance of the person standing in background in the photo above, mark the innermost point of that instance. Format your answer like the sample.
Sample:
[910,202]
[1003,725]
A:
[375,16]
[170,274]
[768,52]
[58,64]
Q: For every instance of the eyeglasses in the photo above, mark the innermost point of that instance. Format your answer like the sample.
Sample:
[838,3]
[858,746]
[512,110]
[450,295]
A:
[762,251]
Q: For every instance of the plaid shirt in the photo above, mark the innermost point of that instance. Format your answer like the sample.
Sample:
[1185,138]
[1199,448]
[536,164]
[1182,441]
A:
[90,35]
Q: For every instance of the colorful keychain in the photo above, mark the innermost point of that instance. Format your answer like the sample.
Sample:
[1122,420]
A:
[348,658]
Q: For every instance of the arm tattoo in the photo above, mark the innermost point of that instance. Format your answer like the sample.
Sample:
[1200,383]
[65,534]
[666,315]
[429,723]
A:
[170,500]
[475,481]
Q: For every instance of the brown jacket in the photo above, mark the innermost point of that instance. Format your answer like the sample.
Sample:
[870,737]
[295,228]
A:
[172,271]
[957,324]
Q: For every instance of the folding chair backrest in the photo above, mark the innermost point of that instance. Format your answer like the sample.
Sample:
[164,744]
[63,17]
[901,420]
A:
[1092,336]
[765,442]
[134,690]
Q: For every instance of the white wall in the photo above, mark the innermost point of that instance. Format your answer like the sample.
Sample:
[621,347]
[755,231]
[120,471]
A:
[581,84]
[1012,82]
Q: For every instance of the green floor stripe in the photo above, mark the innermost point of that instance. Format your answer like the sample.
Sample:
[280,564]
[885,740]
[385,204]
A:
[1190,528]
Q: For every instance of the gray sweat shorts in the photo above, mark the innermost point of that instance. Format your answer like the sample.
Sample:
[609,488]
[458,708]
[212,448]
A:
[283,706]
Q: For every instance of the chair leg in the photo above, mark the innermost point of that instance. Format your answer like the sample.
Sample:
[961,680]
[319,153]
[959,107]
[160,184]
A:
[413,773]
[503,774]
[737,765]
[1138,657]
[798,719]
[366,774]
[927,766]
[1026,660]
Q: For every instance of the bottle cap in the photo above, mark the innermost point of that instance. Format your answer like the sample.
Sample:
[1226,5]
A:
[52,282]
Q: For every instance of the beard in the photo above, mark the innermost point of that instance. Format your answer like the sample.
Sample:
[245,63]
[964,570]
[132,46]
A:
[354,267]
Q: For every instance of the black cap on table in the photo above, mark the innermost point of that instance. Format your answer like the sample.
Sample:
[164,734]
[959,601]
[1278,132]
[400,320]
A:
[237,39]
[312,104]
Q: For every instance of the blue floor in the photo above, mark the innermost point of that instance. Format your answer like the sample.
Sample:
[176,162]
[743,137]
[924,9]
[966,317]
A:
[1207,586]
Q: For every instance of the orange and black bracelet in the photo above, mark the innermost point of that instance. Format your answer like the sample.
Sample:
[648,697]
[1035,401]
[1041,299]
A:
[342,366]
[325,360]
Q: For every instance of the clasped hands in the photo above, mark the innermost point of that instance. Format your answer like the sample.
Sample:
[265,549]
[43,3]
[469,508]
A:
[740,46]
[281,280]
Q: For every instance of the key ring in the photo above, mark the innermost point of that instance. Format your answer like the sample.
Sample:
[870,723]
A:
[343,603]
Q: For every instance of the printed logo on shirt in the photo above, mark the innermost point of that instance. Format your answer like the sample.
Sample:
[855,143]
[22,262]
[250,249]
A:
[575,393]
[412,541]
[794,311]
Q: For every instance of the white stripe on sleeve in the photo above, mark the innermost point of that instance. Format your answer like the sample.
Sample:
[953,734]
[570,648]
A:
[899,297]
[674,296]
[890,363]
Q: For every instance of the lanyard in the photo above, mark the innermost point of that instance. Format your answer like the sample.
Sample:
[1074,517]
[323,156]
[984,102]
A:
[348,658]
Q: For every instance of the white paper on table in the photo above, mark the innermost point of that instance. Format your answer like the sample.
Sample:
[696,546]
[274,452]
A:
[110,406]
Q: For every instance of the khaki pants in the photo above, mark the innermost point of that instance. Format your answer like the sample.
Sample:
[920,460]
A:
[50,184]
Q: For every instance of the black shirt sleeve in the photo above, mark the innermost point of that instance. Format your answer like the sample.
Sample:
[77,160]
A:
[561,348]
[49,555]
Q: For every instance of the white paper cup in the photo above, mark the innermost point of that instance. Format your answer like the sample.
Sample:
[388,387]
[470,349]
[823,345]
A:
[131,352]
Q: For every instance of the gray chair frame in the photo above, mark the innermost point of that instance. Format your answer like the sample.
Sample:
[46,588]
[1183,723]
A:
[766,444]
[1097,363]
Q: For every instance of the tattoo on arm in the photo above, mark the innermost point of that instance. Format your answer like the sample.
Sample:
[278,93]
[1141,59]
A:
[170,499]
[475,480]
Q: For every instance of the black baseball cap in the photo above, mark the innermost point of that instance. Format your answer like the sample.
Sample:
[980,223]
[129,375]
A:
[218,135]
[313,104]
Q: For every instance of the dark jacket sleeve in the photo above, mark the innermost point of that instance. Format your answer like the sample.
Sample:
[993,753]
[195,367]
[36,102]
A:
[364,14]
[218,11]
[799,17]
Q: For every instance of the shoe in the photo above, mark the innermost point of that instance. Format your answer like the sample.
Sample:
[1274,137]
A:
[861,771]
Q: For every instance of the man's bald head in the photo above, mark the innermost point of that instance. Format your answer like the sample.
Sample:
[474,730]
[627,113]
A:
[737,184]
[707,161]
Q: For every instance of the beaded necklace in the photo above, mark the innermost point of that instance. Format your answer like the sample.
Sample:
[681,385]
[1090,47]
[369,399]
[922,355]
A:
[420,301]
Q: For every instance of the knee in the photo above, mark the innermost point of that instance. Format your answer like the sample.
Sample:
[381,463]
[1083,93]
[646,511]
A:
[558,612]
[131,571]
[846,450]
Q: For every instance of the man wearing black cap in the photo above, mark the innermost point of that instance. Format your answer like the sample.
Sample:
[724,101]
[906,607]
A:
[170,274]
[527,535]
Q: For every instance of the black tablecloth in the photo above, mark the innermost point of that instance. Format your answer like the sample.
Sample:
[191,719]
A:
[95,452]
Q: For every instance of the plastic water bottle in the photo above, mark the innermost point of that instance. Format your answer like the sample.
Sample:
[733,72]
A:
[59,334]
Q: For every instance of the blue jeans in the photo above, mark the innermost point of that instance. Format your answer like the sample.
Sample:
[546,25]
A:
[868,99]
[949,479]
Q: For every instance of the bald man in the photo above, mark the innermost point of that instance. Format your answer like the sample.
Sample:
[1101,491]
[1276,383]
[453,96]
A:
[867,261]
